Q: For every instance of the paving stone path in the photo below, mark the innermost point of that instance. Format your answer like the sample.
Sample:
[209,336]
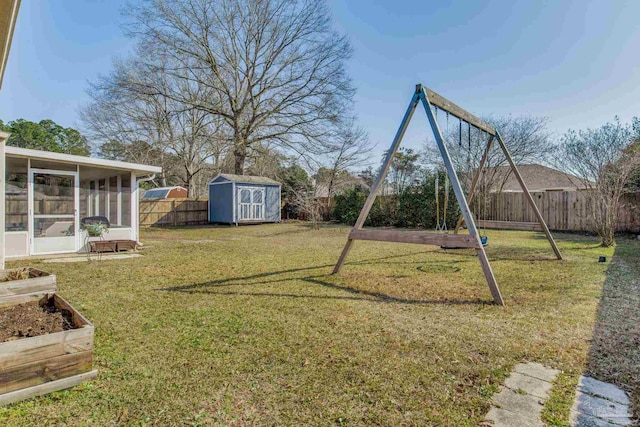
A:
[519,404]
[600,404]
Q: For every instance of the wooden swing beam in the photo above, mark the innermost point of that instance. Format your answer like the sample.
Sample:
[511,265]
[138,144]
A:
[429,98]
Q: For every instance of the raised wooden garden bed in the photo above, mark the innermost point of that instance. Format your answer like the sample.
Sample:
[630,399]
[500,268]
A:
[35,365]
[42,364]
[31,288]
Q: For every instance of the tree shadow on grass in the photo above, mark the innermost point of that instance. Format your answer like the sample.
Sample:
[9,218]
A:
[615,347]
[211,287]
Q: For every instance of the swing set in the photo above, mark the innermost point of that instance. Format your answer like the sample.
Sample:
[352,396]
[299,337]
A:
[431,100]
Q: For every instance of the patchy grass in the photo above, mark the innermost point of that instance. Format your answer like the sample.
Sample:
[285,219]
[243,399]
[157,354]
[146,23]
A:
[246,326]
[557,409]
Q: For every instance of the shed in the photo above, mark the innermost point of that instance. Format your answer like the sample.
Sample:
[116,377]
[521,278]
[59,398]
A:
[239,199]
[175,192]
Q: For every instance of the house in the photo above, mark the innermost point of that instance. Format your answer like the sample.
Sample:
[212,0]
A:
[44,195]
[48,194]
[175,192]
[238,199]
[537,177]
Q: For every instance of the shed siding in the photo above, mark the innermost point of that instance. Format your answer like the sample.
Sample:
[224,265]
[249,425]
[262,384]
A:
[221,203]
[272,199]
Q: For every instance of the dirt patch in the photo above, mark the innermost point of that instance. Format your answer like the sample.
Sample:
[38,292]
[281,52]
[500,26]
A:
[32,319]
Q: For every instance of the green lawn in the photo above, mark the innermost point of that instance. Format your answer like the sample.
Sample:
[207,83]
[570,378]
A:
[246,326]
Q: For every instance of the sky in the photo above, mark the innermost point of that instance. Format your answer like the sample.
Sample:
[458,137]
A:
[576,62]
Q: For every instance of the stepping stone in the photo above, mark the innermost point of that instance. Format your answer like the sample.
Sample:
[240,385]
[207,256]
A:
[583,420]
[523,404]
[600,404]
[605,390]
[536,370]
[529,385]
[503,418]
[519,402]
[604,409]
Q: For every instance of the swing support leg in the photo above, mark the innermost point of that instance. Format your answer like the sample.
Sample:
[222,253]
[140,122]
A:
[380,179]
[532,203]
[462,201]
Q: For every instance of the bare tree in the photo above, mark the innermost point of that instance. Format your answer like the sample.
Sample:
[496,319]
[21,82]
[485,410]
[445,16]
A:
[605,160]
[305,201]
[129,106]
[349,150]
[274,69]
[405,170]
[526,137]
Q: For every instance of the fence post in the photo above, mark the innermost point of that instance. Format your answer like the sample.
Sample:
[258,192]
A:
[175,213]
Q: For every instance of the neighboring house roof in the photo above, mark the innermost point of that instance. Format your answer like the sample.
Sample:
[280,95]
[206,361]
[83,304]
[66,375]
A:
[322,189]
[537,178]
[13,190]
[246,179]
[80,160]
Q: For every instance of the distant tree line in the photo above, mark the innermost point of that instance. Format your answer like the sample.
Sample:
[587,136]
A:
[45,135]
[605,162]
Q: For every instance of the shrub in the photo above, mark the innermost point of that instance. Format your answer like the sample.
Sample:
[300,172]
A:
[414,207]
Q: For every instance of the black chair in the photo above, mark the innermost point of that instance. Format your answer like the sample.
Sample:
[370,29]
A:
[95,220]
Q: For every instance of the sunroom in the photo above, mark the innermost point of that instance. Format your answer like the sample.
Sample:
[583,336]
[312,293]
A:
[48,194]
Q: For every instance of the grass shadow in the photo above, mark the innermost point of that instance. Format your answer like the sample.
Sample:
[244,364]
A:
[614,355]
[211,287]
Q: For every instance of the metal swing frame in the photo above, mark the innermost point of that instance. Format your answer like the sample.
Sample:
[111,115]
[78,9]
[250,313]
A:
[430,99]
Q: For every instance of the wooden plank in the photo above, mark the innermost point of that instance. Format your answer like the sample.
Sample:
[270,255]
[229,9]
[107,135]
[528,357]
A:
[416,237]
[444,104]
[510,225]
[44,284]
[10,300]
[41,371]
[78,319]
[48,387]
[27,350]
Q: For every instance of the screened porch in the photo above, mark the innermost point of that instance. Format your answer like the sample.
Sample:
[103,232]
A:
[48,194]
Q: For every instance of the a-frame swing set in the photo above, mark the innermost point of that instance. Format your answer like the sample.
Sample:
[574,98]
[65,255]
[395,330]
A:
[429,100]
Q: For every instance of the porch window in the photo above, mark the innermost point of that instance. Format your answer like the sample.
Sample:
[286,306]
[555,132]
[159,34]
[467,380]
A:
[109,197]
[16,202]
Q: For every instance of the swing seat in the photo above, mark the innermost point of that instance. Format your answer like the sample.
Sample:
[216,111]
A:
[483,239]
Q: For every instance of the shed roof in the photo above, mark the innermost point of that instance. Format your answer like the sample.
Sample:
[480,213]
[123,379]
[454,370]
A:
[247,179]
[160,192]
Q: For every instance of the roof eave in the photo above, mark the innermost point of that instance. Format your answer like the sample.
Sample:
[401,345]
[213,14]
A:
[8,16]
[80,160]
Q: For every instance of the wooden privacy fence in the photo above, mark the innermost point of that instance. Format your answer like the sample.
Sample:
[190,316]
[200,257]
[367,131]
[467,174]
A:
[562,210]
[173,212]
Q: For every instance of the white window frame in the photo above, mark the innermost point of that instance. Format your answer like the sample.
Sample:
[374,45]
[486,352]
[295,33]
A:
[252,205]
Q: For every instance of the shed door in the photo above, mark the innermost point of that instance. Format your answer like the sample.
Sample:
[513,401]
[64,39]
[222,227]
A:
[251,204]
